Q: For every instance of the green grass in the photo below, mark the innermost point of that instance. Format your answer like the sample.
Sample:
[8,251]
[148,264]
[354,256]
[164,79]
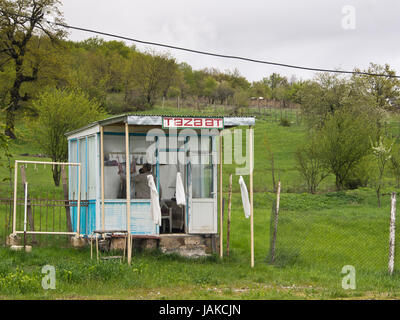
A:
[317,236]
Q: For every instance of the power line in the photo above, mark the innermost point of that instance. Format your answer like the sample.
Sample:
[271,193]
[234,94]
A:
[213,54]
[223,55]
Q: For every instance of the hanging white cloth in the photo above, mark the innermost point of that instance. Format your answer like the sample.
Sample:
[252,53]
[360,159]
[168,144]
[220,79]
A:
[245,197]
[154,200]
[180,191]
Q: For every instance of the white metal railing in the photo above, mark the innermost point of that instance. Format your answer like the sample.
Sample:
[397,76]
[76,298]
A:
[15,231]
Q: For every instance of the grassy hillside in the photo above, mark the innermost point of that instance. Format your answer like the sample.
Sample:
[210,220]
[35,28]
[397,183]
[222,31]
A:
[317,236]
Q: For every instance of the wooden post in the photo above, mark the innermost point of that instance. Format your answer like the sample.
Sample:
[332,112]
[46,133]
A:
[97,248]
[128,192]
[102,176]
[278,196]
[251,196]
[229,215]
[392,233]
[28,204]
[221,220]
[66,198]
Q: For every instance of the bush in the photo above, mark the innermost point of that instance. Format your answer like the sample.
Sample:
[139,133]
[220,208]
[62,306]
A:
[310,164]
[360,175]
[18,282]
[344,141]
[285,122]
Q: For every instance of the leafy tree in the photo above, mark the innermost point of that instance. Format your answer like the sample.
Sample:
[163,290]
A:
[344,142]
[223,92]
[321,97]
[310,163]
[276,82]
[5,153]
[151,74]
[384,90]
[395,163]
[237,81]
[382,152]
[210,86]
[19,22]
[293,92]
[240,100]
[60,111]
[261,88]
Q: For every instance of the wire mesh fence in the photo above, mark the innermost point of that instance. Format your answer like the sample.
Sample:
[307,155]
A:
[272,111]
[331,239]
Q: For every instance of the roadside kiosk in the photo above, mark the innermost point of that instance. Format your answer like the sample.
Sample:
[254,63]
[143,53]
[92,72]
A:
[114,150]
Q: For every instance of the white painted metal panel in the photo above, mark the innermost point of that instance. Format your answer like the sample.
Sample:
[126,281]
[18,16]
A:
[239,121]
[82,150]
[91,167]
[203,213]
[203,217]
[85,131]
[145,120]
[141,218]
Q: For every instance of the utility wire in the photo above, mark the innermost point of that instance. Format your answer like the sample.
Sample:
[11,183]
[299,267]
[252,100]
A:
[223,55]
[213,54]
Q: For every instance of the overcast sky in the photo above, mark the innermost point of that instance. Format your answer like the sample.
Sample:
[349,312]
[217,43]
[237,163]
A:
[313,33]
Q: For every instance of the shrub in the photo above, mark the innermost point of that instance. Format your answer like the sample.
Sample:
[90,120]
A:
[360,175]
[344,142]
[18,282]
[310,164]
[285,122]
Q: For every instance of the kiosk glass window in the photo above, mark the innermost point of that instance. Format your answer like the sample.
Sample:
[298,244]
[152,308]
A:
[115,164]
[202,169]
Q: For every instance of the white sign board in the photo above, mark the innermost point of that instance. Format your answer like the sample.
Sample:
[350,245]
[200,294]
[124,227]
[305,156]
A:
[190,122]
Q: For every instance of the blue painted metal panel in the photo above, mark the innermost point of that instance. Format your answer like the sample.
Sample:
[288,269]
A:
[87,217]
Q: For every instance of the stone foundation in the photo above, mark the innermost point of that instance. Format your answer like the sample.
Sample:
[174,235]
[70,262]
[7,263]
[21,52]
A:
[78,242]
[118,243]
[191,246]
[13,240]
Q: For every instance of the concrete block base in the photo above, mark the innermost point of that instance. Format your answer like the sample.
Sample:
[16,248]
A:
[190,246]
[13,240]
[21,248]
[78,242]
[118,243]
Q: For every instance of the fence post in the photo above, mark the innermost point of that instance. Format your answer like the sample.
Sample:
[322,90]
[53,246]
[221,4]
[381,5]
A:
[392,233]
[28,207]
[278,195]
[228,230]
